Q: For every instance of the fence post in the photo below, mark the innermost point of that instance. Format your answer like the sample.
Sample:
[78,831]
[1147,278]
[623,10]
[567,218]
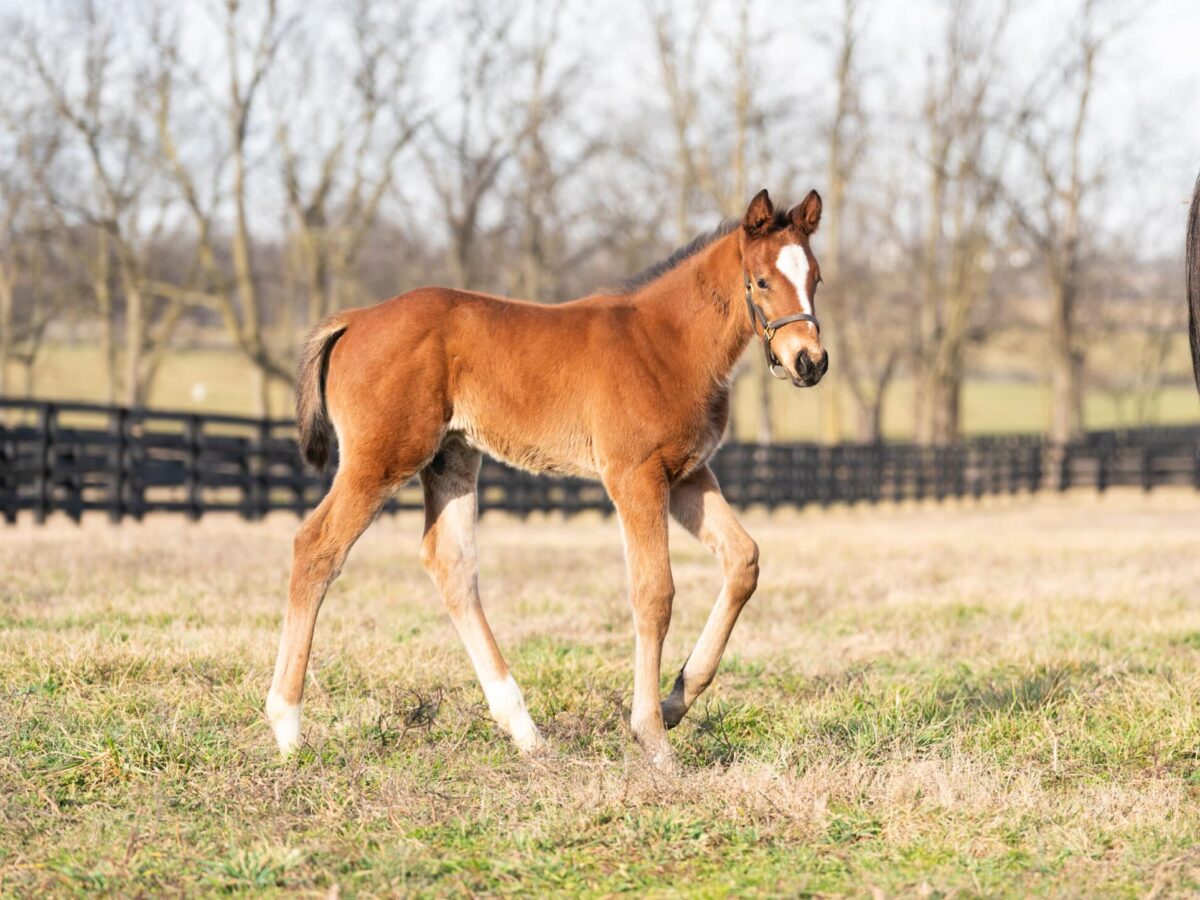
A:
[192,429]
[45,463]
[260,502]
[899,457]
[72,479]
[136,452]
[1064,466]
[116,431]
[8,481]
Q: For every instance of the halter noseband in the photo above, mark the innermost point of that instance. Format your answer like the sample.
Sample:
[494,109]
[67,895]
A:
[758,319]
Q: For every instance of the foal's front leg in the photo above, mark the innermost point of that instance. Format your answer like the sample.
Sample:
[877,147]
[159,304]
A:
[698,506]
[641,499]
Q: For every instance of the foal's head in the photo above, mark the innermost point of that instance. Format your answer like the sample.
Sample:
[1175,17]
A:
[781,276]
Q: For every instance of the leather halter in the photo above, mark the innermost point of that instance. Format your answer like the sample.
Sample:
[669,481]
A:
[758,319]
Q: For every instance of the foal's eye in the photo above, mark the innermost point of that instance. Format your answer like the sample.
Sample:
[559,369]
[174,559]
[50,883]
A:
[762,283]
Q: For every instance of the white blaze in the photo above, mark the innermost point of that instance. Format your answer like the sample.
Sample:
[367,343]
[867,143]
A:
[793,263]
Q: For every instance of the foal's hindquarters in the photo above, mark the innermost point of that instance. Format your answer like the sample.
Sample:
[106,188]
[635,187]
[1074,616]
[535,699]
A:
[380,449]
[448,554]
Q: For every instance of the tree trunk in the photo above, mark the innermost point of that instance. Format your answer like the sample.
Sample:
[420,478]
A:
[870,421]
[943,395]
[134,329]
[869,401]
[929,324]
[6,329]
[1066,377]
[840,168]
[247,291]
[101,272]
[260,387]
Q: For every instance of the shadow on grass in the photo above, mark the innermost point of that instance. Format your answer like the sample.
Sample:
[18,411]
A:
[877,714]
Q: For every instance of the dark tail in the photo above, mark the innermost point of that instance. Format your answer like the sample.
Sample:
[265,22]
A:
[315,431]
[1193,280]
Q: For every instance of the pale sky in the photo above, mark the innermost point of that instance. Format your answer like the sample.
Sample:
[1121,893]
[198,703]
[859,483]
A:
[1148,87]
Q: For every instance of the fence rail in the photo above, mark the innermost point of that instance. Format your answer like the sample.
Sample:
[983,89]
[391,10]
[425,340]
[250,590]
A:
[79,457]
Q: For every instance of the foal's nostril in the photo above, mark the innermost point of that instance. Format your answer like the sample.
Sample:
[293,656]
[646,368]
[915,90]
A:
[823,365]
[804,364]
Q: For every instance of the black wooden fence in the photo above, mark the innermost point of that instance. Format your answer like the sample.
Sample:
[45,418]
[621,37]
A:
[76,457]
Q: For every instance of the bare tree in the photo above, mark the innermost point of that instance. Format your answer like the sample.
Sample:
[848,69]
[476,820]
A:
[1055,139]
[879,290]
[249,46]
[16,194]
[472,144]
[965,144]
[94,94]
[22,261]
[553,148]
[1135,321]
[336,185]
[713,161]
[846,147]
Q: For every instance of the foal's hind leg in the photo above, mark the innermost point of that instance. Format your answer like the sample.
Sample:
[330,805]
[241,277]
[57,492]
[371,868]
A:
[320,549]
[697,504]
[448,554]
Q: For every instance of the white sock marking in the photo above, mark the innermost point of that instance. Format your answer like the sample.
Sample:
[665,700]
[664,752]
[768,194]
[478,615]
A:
[507,705]
[793,263]
[285,722]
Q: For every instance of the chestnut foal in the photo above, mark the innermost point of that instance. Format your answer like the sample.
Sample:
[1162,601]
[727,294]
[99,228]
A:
[632,387]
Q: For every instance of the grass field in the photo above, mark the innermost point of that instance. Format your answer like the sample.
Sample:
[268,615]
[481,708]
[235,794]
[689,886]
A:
[980,699]
[76,373]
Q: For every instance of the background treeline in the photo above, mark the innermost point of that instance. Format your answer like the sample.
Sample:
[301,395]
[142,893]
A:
[224,173]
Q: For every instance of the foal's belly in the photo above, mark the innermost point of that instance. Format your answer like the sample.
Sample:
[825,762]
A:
[560,450]
[528,430]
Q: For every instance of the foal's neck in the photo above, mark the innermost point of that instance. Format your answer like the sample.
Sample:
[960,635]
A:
[706,303]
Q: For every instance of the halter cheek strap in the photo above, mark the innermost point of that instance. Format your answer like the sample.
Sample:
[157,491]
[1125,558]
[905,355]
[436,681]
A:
[765,328]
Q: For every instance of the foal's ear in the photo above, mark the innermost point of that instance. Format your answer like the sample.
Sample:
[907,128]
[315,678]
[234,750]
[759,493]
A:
[806,215]
[760,214]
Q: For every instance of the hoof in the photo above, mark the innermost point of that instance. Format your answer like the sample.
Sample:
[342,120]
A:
[673,711]
[528,739]
[663,760]
[658,752]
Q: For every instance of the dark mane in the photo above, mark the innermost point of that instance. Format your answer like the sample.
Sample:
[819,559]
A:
[688,250]
[663,266]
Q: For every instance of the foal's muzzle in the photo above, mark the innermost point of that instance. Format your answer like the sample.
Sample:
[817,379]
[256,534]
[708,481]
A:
[808,370]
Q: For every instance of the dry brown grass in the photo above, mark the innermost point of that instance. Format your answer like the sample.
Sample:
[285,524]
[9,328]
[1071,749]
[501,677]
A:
[994,698]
